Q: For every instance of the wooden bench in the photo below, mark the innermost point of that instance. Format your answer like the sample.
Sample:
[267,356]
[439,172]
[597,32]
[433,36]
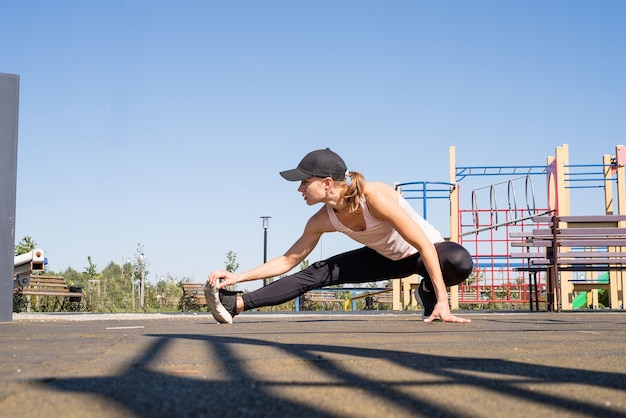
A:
[385,296]
[571,244]
[323,297]
[378,298]
[50,286]
[371,298]
[193,297]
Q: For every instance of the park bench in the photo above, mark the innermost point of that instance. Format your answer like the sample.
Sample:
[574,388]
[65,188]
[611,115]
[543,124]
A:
[323,297]
[50,286]
[383,297]
[193,296]
[570,244]
[376,298]
[371,298]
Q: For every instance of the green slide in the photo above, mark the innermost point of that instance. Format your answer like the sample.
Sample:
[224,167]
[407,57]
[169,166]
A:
[580,301]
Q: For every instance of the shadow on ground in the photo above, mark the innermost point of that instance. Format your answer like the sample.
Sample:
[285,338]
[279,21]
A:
[148,393]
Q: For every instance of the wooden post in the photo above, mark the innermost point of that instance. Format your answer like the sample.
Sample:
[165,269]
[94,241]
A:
[454,219]
[617,283]
[609,208]
[564,290]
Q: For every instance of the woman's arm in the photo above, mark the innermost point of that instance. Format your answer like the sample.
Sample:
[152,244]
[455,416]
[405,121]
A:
[313,230]
[383,204]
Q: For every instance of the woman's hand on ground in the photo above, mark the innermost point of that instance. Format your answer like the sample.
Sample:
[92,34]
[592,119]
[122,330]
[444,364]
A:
[442,313]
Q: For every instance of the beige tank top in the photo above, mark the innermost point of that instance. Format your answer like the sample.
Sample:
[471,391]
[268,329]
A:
[380,235]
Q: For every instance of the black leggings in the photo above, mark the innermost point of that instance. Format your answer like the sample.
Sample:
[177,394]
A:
[361,266]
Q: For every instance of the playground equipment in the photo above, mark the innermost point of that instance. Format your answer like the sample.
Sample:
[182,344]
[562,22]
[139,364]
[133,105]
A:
[493,280]
[564,177]
[486,230]
[483,218]
[582,244]
[590,299]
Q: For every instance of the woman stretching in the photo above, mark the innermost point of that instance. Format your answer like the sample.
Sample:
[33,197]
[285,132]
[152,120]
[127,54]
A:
[397,242]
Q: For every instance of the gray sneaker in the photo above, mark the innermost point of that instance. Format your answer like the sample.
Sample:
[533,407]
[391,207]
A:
[428,300]
[218,310]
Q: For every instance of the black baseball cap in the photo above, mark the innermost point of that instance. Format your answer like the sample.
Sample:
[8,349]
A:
[320,163]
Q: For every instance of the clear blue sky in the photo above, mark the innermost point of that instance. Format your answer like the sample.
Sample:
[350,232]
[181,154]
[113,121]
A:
[165,123]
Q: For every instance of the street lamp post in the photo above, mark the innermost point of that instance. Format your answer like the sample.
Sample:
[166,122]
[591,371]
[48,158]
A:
[266,225]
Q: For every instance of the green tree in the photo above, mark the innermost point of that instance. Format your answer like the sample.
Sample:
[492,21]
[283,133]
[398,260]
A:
[116,291]
[304,265]
[93,290]
[604,298]
[168,294]
[73,277]
[231,261]
[25,245]
[91,271]
[231,265]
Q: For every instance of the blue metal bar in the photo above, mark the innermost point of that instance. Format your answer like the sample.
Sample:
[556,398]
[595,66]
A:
[462,172]
[426,192]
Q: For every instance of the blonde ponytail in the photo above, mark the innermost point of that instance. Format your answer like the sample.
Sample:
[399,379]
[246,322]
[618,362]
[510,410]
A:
[354,191]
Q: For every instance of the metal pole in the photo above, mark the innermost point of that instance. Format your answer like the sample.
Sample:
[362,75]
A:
[265,226]
[265,246]
[9,95]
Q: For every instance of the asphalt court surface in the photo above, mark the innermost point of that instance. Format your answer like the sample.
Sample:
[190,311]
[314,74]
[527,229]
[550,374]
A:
[313,365]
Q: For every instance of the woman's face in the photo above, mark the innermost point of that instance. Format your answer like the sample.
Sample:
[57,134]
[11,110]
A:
[313,190]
